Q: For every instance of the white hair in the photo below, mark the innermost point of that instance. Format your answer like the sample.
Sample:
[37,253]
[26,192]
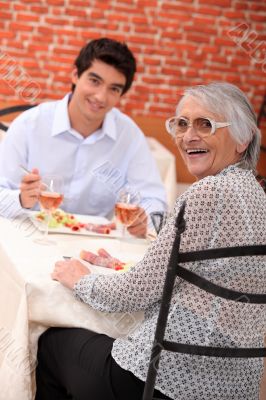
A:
[228,102]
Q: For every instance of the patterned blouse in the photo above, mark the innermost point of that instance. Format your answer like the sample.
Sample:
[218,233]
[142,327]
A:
[228,209]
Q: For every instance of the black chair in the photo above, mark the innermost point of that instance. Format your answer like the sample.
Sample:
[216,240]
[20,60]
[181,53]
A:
[175,269]
[262,112]
[11,110]
[158,219]
[261,115]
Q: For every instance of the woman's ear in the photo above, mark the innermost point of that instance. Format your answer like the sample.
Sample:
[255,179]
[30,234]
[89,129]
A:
[240,148]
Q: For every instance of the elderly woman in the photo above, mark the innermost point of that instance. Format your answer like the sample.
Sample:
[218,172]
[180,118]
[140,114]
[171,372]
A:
[216,134]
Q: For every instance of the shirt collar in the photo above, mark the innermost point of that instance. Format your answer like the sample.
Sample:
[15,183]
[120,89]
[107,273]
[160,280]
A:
[109,127]
[61,122]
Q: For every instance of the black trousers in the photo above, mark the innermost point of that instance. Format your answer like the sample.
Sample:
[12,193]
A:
[76,364]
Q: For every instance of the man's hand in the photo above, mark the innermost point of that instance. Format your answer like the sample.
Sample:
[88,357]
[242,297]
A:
[69,272]
[139,226]
[30,188]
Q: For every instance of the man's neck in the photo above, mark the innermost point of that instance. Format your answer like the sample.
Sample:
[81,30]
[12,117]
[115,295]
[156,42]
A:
[82,125]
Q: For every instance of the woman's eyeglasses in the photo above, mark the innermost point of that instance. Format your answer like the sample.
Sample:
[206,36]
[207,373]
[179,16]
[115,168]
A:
[178,126]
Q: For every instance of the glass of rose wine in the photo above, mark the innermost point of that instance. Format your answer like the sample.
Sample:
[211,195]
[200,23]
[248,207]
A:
[127,208]
[50,198]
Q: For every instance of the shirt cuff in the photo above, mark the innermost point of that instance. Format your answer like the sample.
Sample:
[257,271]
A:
[83,288]
[10,206]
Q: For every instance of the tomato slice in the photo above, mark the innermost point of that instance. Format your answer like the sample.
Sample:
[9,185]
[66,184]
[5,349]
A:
[118,267]
[75,228]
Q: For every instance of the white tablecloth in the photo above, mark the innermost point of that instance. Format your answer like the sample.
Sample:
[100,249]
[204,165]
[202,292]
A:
[31,301]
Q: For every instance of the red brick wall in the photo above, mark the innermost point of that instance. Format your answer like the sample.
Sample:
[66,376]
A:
[177,43]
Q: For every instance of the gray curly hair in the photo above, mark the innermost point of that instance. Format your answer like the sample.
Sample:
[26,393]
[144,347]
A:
[229,102]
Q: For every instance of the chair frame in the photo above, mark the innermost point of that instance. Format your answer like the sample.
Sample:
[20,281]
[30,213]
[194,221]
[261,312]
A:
[11,110]
[173,270]
[261,115]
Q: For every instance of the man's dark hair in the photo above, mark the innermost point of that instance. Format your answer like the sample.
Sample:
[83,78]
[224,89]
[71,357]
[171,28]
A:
[110,52]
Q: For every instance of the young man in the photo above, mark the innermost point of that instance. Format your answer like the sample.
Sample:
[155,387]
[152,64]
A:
[85,139]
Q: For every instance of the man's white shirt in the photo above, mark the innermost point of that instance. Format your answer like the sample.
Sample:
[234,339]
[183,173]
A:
[94,168]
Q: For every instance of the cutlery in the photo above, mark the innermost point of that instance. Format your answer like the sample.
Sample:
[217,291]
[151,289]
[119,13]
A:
[29,172]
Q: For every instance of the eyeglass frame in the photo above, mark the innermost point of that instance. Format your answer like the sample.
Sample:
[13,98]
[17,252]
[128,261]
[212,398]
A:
[214,125]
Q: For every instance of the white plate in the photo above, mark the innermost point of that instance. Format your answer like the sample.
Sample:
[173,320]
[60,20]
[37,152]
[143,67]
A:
[81,218]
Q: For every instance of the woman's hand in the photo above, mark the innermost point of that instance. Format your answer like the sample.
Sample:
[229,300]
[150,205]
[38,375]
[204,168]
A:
[69,272]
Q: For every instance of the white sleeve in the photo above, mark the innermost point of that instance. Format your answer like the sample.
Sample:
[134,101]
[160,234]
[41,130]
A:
[13,152]
[10,206]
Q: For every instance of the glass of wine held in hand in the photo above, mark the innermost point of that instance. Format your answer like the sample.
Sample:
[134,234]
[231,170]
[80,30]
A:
[127,208]
[50,199]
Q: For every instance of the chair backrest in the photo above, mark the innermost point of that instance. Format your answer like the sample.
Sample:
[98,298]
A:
[262,112]
[11,110]
[173,270]
[261,116]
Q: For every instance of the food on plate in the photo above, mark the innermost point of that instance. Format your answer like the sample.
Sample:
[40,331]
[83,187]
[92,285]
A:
[103,259]
[100,228]
[60,218]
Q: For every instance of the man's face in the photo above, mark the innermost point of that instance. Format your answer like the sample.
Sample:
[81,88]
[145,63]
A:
[97,91]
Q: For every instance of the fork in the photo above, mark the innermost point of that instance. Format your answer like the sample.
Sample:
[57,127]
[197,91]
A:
[29,172]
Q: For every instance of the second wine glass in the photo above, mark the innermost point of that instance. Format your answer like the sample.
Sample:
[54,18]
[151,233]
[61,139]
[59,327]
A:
[50,198]
[127,208]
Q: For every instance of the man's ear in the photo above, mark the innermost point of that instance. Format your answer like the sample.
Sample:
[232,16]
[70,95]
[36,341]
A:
[240,148]
[74,76]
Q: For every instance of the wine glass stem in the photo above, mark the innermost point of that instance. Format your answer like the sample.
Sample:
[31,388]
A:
[124,231]
[123,238]
[49,215]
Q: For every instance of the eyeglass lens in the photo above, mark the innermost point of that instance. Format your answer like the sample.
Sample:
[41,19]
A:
[201,125]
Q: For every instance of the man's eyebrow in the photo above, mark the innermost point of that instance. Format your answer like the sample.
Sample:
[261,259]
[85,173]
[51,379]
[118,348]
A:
[94,75]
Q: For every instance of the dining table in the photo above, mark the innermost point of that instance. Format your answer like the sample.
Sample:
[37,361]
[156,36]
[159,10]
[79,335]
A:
[31,301]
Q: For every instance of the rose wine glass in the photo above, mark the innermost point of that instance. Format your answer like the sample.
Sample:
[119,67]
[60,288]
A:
[127,208]
[50,199]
